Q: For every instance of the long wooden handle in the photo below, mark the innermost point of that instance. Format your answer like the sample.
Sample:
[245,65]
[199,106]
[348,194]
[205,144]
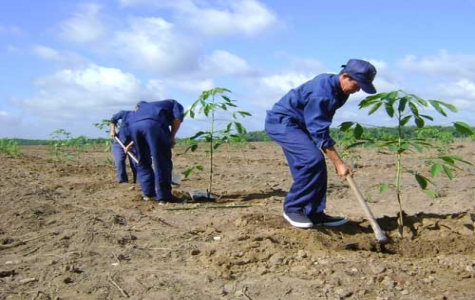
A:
[123,146]
[380,236]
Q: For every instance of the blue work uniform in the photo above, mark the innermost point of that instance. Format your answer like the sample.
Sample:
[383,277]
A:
[300,123]
[120,156]
[150,130]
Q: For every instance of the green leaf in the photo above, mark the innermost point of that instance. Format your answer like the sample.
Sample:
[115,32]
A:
[421,180]
[375,107]
[427,117]
[200,167]
[419,121]
[414,109]
[439,103]
[435,169]
[392,96]
[197,135]
[431,193]
[463,128]
[419,100]
[402,104]
[448,159]
[192,148]
[448,172]
[346,125]
[371,100]
[389,109]
[405,120]
[239,128]
[244,114]
[207,109]
[358,131]
[459,159]
[383,187]
[216,145]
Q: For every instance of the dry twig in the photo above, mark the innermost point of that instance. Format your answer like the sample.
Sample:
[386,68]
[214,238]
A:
[124,293]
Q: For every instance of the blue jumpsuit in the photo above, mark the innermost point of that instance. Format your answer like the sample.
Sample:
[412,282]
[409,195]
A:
[150,130]
[300,123]
[117,150]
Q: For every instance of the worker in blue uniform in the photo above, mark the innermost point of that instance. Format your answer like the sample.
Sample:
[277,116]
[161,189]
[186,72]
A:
[118,151]
[300,123]
[153,128]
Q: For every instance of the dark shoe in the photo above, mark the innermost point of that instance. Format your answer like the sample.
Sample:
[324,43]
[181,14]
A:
[322,219]
[298,219]
[172,199]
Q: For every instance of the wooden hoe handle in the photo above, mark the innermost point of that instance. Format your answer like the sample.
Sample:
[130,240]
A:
[380,236]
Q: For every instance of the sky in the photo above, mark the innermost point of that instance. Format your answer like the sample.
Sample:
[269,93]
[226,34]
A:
[70,64]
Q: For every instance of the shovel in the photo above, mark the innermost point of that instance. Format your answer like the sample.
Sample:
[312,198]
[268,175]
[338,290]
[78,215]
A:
[380,236]
[176,178]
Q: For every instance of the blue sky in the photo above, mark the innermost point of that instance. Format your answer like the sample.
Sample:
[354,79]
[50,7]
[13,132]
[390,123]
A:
[69,64]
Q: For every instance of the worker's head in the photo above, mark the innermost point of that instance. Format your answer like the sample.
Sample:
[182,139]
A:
[139,103]
[358,74]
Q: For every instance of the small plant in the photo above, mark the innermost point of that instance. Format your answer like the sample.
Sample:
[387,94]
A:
[10,147]
[404,108]
[104,125]
[58,145]
[346,139]
[208,105]
[79,146]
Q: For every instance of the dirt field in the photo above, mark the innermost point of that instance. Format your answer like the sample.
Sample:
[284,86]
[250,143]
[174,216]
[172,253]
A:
[71,232]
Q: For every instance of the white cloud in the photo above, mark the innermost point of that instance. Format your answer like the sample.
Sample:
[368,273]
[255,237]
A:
[442,64]
[190,86]
[10,123]
[247,17]
[86,92]
[85,26]
[222,62]
[153,44]
[217,18]
[66,58]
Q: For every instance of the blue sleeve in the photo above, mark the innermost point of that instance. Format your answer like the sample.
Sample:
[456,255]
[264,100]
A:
[178,111]
[117,117]
[318,115]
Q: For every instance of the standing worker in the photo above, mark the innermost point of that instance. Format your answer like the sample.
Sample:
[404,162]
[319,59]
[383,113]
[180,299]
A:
[153,128]
[300,123]
[120,156]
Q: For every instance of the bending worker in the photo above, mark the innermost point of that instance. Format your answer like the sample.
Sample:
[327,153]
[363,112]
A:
[300,123]
[153,128]
[118,151]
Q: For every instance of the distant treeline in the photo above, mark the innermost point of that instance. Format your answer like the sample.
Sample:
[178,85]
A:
[427,132]
[27,142]
[371,132]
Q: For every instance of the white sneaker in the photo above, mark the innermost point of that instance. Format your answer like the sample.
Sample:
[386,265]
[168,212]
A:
[298,219]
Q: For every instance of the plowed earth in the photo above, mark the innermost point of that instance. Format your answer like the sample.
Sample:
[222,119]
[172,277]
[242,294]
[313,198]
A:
[69,231]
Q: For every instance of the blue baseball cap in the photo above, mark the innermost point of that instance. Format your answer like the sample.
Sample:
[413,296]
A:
[363,72]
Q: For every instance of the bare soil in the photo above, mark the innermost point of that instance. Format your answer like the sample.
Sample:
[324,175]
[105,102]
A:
[69,231]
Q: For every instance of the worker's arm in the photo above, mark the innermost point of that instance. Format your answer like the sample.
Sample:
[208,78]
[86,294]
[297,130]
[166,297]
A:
[175,126]
[112,130]
[341,168]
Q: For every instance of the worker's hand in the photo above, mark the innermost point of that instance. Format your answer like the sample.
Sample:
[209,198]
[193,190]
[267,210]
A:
[128,147]
[343,170]
[113,134]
